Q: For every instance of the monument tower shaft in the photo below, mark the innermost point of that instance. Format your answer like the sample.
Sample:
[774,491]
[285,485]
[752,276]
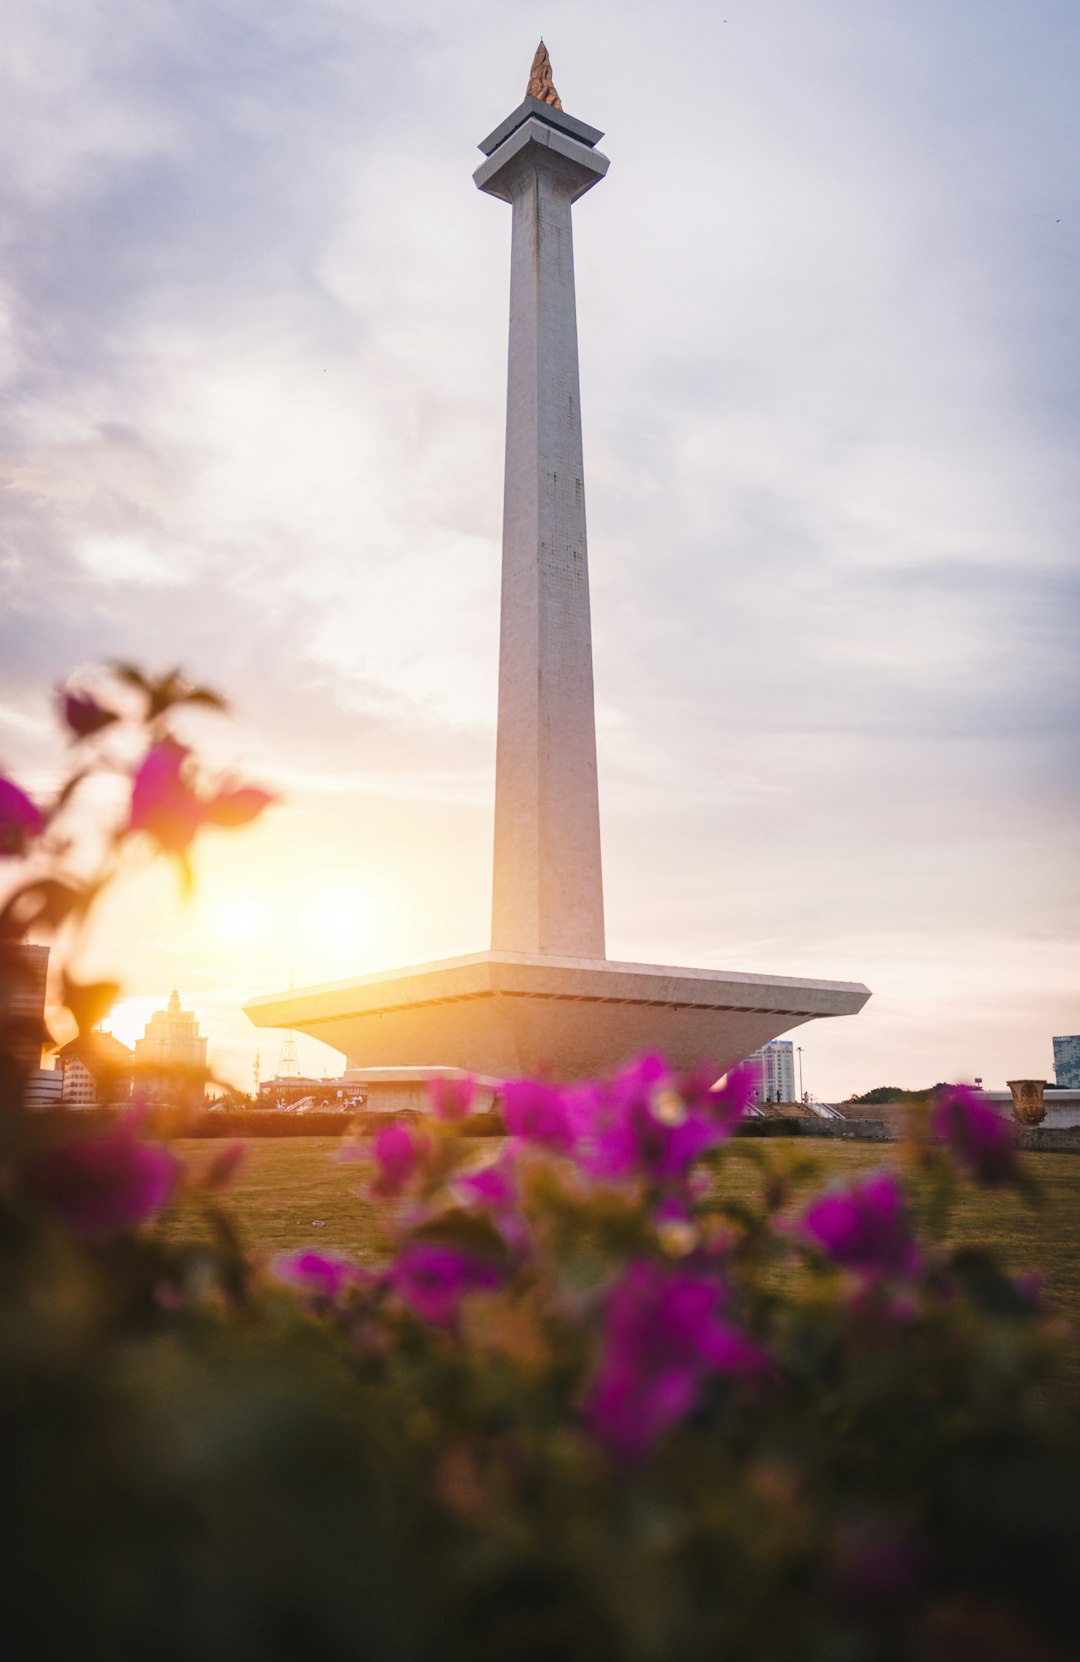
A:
[547,891]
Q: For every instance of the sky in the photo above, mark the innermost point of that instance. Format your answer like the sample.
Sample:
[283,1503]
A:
[253,322]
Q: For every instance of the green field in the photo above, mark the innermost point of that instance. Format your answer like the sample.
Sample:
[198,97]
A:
[292,1193]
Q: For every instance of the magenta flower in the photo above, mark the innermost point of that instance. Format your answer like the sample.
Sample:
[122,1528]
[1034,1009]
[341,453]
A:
[538,1113]
[494,1190]
[663,1338]
[491,1187]
[398,1153]
[322,1275]
[84,715]
[728,1103]
[166,805]
[451,1099]
[433,1279]
[100,1185]
[20,819]
[650,1123]
[865,1227]
[162,803]
[981,1141]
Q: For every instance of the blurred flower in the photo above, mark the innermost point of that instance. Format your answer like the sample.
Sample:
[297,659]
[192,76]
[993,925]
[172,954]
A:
[433,1279]
[451,1099]
[648,1122]
[538,1113]
[20,819]
[675,1228]
[321,1274]
[491,1186]
[162,803]
[728,1103]
[84,715]
[981,1141]
[99,1185]
[874,1561]
[398,1154]
[166,805]
[494,1189]
[865,1227]
[662,1338]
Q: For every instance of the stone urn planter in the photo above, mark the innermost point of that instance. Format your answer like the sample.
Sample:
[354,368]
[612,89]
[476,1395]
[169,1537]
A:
[1027,1100]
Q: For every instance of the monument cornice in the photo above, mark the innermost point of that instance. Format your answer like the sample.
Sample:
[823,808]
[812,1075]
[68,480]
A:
[538,143]
[539,111]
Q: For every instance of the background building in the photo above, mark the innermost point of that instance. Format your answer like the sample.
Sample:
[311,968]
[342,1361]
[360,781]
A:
[776,1066]
[95,1070]
[1067,1061]
[24,970]
[44,1087]
[170,1058]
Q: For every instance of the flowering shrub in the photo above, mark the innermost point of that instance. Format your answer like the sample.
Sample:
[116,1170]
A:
[588,1405]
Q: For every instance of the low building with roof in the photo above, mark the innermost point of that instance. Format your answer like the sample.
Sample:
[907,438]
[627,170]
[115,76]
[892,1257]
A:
[96,1071]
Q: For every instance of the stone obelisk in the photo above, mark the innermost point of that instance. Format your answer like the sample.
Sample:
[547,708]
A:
[547,891]
[545,998]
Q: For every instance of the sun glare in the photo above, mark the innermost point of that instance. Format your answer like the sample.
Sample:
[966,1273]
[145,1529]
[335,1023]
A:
[238,921]
[321,930]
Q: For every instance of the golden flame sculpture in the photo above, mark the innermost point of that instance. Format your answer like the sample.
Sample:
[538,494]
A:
[540,83]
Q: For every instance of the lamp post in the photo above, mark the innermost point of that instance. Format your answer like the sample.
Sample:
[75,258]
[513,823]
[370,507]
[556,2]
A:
[802,1093]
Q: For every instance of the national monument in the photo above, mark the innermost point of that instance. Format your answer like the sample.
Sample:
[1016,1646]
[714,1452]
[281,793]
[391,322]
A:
[545,996]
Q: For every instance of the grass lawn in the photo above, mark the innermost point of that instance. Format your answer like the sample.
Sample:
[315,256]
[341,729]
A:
[292,1193]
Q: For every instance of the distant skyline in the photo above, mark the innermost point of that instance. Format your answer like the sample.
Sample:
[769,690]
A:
[252,350]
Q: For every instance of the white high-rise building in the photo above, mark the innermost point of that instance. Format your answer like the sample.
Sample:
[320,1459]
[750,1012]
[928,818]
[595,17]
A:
[776,1066]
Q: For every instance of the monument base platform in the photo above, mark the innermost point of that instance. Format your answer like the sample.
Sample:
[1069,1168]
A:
[508,1015]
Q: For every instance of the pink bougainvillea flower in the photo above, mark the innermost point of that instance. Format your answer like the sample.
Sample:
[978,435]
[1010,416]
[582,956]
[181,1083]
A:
[650,1123]
[492,1186]
[728,1102]
[494,1190]
[432,1279]
[165,804]
[398,1153]
[20,819]
[663,1337]
[162,802]
[451,1099]
[84,715]
[100,1185]
[323,1275]
[981,1141]
[865,1227]
[538,1113]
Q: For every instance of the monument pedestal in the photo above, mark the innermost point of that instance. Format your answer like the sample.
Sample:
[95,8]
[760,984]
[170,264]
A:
[505,1015]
